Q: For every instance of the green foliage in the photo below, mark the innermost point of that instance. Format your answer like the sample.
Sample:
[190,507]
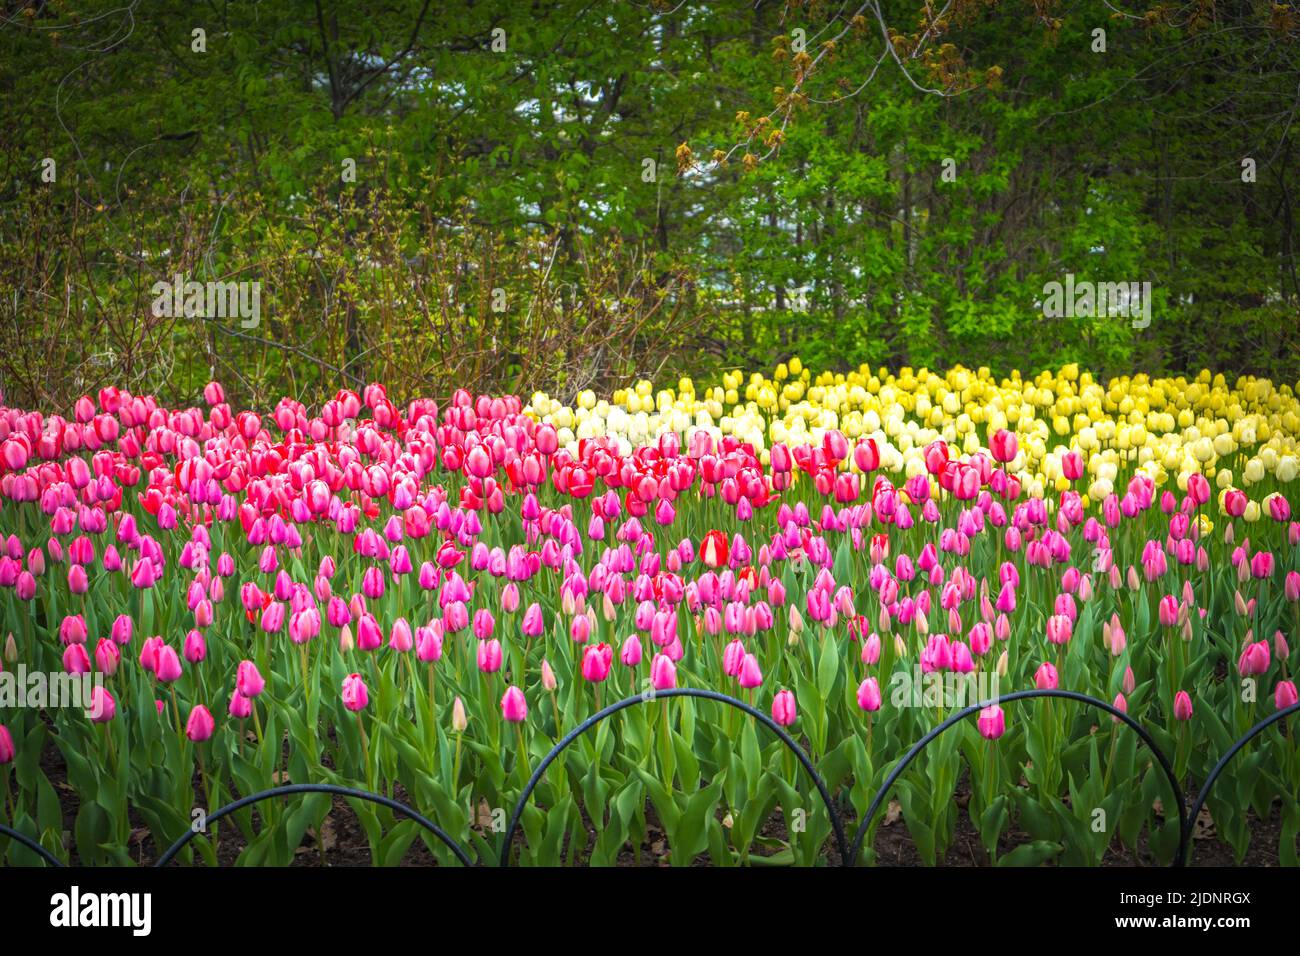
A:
[846,244]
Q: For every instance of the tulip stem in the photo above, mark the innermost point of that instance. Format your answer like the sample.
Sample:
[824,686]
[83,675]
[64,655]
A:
[365,753]
[177,707]
[306,685]
[433,710]
[8,796]
[112,750]
[523,752]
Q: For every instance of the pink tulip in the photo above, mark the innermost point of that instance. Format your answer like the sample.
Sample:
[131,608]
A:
[248,681]
[869,698]
[484,624]
[663,673]
[200,725]
[784,711]
[630,654]
[992,722]
[1284,695]
[355,695]
[103,707]
[107,657]
[240,706]
[195,648]
[596,661]
[428,643]
[1182,705]
[166,664]
[514,707]
[400,637]
[1059,629]
[1046,677]
[6,746]
[489,656]
[1255,659]
[122,628]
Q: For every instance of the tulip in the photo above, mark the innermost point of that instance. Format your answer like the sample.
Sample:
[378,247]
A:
[1059,629]
[714,549]
[102,706]
[1182,705]
[355,695]
[400,637]
[107,657]
[1284,695]
[1003,445]
[6,745]
[750,675]
[459,721]
[76,660]
[195,648]
[248,681]
[122,628]
[1168,611]
[514,707]
[784,710]
[1046,677]
[869,698]
[631,652]
[200,725]
[663,673]
[1254,659]
[489,656]
[166,664]
[240,706]
[596,661]
[992,722]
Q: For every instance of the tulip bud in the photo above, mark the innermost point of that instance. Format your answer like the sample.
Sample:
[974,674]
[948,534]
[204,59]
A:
[11,649]
[6,746]
[548,676]
[992,722]
[869,698]
[200,725]
[248,681]
[102,705]
[459,722]
[784,711]
[1002,664]
[1120,704]
[1284,696]
[514,707]
[355,694]
[1182,705]
[240,706]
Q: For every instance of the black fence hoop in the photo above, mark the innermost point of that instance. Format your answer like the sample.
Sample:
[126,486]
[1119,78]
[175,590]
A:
[961,715]
[1219,767]
[32,845]
[330,788]
[837,823]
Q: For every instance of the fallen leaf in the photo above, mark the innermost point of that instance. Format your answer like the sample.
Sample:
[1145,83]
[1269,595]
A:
[1203,828]
[892,813]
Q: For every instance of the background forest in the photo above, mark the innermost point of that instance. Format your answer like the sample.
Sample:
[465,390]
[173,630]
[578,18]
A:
[575,193]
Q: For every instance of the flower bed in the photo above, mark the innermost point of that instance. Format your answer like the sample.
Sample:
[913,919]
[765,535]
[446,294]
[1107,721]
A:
[423,600]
